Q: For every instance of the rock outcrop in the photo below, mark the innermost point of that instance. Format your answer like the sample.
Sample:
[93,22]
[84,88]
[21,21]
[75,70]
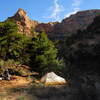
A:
[23,22]
[77,21]
[47,27]
[68,26]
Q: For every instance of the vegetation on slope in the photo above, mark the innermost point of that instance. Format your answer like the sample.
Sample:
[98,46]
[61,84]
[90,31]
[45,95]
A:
[82,50]
[37,52]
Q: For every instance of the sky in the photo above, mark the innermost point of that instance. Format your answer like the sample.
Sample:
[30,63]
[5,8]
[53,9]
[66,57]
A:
[46,10]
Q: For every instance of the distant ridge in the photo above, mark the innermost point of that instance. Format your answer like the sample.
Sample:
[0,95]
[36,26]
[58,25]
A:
[68,26]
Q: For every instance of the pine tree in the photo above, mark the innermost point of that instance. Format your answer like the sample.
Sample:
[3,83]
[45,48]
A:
[12,44]
[43,54]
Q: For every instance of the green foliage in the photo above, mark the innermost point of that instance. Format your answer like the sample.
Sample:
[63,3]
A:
[43,54]
[5,65]
[36,51]
[22,98]
[2,66]
[32,32]
[15,68]
[12,44]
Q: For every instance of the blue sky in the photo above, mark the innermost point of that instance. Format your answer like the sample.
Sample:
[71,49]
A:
[46,10]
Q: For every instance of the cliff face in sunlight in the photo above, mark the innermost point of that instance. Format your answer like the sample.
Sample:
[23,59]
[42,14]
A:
[23,22]
[68,26]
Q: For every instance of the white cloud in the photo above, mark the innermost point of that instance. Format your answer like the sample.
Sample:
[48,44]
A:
[73,12]
[75,7]
[57,9]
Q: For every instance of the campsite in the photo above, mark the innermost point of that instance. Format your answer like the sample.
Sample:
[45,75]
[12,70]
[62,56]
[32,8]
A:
[50,50]
[22,87]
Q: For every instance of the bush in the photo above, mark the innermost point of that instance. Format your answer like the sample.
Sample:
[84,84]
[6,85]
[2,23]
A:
[2,66]
[13,68]
[5,65]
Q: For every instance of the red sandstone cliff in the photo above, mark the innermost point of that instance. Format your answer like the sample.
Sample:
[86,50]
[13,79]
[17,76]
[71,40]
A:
[68,26]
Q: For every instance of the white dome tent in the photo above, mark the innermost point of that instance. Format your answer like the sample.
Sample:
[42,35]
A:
[52,79]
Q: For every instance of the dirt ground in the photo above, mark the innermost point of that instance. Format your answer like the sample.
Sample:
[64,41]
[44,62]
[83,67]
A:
[16,89]
[22,88]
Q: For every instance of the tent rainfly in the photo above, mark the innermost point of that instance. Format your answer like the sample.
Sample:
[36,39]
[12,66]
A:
[52,79]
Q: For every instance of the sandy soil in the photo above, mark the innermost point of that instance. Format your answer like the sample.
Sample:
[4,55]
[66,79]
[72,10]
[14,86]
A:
[15,82]
[16,89]
[21,88]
